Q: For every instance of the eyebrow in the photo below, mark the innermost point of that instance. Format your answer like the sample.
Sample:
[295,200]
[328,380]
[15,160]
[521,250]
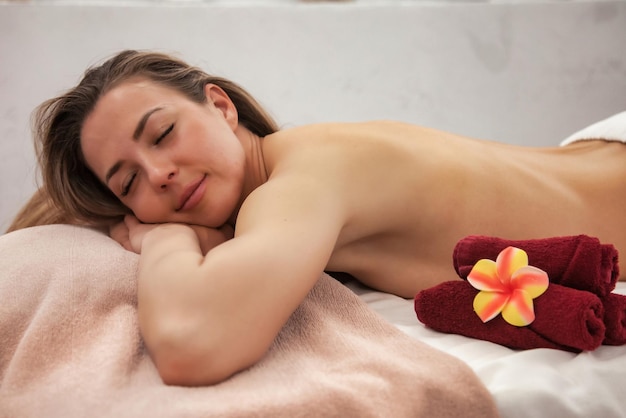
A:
[142,122]
[116,167]
[141,125]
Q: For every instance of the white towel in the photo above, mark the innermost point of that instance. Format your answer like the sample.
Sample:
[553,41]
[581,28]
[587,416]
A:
[609,129]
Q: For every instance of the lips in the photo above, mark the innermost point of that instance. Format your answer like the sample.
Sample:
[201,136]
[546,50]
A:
[192,195]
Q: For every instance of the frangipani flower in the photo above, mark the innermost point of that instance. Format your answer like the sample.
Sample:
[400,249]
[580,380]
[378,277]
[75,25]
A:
[507,285]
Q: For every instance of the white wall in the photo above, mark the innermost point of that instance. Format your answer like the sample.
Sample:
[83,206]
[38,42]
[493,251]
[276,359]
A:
[525,73]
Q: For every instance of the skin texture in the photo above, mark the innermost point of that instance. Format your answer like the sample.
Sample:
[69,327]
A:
[383,201]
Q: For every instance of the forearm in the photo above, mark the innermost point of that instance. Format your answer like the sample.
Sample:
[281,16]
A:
[166,242]
[206,318]
[170,258]
[187,311]
[168,271]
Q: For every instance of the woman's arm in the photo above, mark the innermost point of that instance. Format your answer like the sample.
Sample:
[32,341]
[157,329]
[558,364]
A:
[208,238]
[204,318]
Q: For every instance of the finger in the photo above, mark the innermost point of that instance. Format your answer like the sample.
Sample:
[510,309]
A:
[127,245]
[228,231]
[117,230]
[119,233]
[131,220]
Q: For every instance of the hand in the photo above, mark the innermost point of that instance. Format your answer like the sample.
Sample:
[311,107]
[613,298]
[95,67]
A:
[130,233]
[119,232]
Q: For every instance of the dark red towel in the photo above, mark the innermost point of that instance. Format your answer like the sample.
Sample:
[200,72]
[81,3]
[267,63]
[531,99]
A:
[580,262]
[615,319]
[565,318]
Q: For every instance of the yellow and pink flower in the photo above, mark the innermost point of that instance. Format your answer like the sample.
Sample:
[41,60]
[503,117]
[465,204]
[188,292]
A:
[508,286]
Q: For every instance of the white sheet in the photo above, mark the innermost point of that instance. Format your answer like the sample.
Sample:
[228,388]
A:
[529,383]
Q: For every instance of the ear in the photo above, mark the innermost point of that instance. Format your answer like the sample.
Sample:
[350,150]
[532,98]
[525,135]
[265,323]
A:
[219,99]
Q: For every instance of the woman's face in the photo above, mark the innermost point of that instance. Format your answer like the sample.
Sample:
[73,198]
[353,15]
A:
[167,158]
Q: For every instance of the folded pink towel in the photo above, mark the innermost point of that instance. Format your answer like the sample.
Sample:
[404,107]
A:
[580,262]
[566,319]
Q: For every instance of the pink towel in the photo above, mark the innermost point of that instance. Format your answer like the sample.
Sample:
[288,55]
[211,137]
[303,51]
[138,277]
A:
[580,262]
[70,347]
[566,319]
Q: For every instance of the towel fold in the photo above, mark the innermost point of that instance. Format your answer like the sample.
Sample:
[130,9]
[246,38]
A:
[615,319]
[566,319]
[580,262]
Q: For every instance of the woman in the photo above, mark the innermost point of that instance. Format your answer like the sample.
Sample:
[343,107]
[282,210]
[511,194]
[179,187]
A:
[193,161]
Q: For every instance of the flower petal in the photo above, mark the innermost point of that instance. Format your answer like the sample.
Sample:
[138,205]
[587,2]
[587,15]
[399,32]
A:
[509,261]
[488,305]
[531,279]
[484,277]
[519,309]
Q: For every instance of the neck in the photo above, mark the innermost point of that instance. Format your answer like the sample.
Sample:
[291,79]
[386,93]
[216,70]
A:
[255,170]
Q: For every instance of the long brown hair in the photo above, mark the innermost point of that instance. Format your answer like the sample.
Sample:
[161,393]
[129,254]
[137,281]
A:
[69,186]
[39,210]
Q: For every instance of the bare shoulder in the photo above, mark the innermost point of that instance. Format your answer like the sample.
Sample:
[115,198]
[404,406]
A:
[304,185]
[345,142]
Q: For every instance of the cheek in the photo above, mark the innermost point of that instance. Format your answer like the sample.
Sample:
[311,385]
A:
[147,208]
[225,160]
[234,171]
[237,160]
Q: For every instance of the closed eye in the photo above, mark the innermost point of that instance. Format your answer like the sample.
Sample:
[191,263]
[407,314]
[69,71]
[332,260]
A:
[164,134]
[127,185]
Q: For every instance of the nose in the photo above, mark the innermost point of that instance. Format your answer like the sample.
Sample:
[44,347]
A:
[170,176]
[161,175]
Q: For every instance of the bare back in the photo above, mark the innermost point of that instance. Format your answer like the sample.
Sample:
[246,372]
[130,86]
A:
[411,193]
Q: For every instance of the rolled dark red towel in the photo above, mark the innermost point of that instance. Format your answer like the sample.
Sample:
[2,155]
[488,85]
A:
[615,319]
[580,262]
[565,318]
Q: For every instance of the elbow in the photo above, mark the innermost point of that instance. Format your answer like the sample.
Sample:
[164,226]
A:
[196,359]
[185,370]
